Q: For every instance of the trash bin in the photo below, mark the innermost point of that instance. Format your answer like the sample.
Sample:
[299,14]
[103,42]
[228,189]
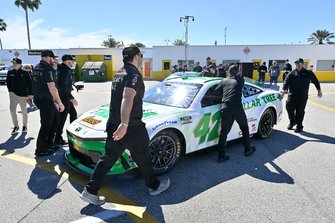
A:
[74,69]
[94,72]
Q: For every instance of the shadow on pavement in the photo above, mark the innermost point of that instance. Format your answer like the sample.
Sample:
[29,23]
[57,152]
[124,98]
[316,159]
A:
[14,143]
[198,172]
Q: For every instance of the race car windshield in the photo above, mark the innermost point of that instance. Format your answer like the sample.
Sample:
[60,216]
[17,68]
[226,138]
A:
[172,94]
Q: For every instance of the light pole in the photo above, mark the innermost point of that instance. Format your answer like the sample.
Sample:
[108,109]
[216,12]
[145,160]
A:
[186,18]
[167,41]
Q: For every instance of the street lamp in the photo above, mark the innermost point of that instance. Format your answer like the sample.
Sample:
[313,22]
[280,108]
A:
[167,41]
[186,19]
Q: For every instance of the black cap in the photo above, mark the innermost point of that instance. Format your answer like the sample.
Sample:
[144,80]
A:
[300,60]
[130,51]
[67,57]
[47,53]
[208,58]
[17,60]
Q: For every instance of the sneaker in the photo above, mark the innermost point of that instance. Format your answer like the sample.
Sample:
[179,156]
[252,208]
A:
[163,186]
[24,129]
[91,198]
[222,159]
[290,126]
[297,130]
[250,151]
[15,130]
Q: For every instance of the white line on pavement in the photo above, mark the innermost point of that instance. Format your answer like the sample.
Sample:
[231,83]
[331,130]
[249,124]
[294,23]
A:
[99,217]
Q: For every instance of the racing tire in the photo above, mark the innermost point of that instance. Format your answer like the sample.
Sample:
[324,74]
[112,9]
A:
[165,149]
[266,123]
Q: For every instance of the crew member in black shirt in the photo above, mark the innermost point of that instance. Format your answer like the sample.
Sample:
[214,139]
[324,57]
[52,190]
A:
[64,86]
[47,100]
[20,88]
[232,110]
[287,69]
[261,73]
[125,130]
[296,84]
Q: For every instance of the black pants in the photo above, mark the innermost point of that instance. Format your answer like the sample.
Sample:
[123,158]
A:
[72,113]
[49,120]
[62,116]
[229,115]
[295,107]
[137,141]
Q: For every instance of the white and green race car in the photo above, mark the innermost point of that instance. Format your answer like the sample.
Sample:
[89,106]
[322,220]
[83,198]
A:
[182,115]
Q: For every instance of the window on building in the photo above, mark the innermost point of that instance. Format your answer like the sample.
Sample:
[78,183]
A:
[281,63]
[189,65]
[229,62]
[166,65]
[325,65]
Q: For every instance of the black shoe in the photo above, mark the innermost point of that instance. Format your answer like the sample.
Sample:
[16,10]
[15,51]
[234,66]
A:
[24,129]
[46,153]
[290,126]
[15,130]
[222,159]
[55,148]
[250,151]
[61,142]
[297,130]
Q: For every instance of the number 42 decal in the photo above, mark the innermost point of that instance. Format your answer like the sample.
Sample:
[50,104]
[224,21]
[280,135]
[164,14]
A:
[203,131]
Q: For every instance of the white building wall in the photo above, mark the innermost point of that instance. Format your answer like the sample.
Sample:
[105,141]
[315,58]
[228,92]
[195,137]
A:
[263,52]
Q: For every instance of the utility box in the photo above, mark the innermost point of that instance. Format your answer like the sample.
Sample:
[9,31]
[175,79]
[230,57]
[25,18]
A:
[94,72]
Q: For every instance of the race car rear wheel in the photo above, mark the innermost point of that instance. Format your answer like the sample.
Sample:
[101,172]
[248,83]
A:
[266,124]
[165,150]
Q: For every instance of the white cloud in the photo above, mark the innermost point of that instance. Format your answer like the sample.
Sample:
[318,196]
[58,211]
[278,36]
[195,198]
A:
[15,37]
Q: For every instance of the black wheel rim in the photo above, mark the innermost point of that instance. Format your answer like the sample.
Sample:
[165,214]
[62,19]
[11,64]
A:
[162,151]
[266,123]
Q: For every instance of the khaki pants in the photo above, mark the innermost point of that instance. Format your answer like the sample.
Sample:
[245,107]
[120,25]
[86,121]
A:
[14,100]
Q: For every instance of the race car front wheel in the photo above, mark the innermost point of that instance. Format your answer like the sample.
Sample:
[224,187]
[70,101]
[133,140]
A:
[165,150]
[266,124]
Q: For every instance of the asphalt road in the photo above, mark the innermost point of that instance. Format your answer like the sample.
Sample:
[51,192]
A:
[289,179]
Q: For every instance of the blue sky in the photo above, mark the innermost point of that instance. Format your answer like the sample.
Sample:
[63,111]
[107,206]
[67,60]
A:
[64,23]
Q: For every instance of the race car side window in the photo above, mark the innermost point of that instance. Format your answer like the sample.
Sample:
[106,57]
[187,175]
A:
[212,97]
[250,90]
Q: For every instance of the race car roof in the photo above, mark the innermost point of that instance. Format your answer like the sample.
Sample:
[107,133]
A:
[203,80]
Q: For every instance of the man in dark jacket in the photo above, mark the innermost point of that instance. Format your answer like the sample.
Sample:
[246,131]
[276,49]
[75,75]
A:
[64,86]
[197,67]
[274,73]
[296,84]
[232,109]
[20,88]
[261,73]
[125,130]
[287,69]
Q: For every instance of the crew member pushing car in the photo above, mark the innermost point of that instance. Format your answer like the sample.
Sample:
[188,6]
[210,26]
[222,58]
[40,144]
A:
[125,130]
[232,109]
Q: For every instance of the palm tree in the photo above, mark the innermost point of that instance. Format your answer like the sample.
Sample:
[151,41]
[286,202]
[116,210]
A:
[321,37]
[138,44]
[26,5]
[179,42]
[3,27]
[111,42]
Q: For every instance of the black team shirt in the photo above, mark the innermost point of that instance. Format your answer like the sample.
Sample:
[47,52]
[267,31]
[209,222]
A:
[130,78]
[232,92]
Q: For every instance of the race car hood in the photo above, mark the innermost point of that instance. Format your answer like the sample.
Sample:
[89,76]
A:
[92,124]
